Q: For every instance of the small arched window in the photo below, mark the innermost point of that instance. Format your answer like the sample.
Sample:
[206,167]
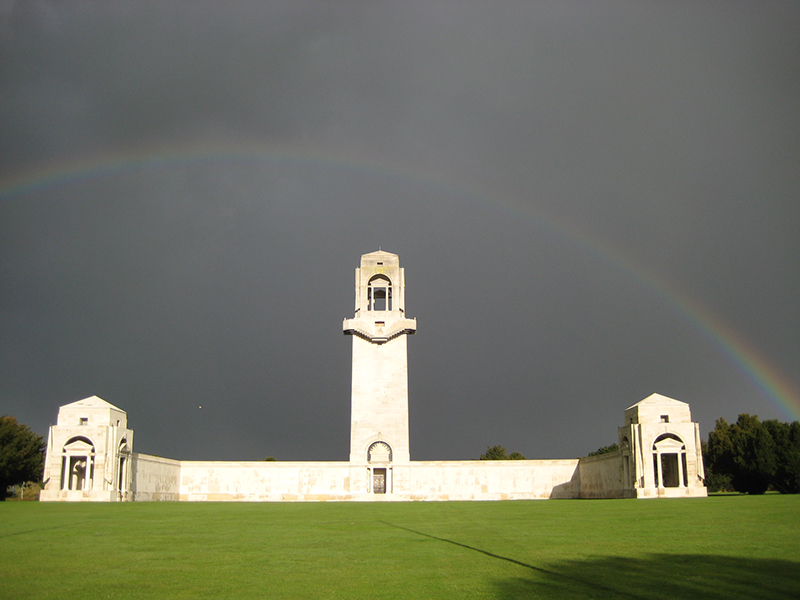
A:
[379,452]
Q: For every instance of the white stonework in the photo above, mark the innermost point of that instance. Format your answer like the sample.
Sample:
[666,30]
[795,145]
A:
[661,451]
[90,451]
[155,478]
[379,398]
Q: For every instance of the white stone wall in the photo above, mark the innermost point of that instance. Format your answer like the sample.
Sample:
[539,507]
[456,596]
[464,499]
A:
[155,478]
[163,479]
[602,476]
[493,479]
[264,481]
[95,430]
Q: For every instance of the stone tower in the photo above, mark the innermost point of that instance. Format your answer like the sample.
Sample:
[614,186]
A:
[89,453]
[379,399]
[661,450]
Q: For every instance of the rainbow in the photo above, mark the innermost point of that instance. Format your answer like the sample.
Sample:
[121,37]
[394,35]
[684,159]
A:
[770,381]
[773,384]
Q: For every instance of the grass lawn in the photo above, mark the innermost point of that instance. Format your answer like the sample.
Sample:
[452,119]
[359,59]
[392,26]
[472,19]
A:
[718,547]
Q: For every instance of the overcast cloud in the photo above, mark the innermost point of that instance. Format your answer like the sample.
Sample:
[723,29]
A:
[556,177]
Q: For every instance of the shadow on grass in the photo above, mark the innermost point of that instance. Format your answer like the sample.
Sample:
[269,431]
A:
[26,532]
[660,576]
[651,576]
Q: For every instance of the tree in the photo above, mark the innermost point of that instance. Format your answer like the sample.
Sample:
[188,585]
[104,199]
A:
[718,457]
[715,482]
[787,450]
[499,453]
[755,459]
[21,454]
[605,450]
[495,453]
[747,453]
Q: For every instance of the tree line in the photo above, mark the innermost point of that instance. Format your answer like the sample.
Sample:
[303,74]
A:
[753,456]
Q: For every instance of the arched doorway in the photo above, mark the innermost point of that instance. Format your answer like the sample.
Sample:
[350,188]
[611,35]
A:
[669,461]
[379,457]
[379,293]
[77,464]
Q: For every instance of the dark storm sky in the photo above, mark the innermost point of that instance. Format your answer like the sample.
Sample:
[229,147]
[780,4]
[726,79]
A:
[186,188]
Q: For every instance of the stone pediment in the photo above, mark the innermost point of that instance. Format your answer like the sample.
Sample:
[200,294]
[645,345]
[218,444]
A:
[658,400]
[79,447]
[380,256]
[669,445]
[91,402]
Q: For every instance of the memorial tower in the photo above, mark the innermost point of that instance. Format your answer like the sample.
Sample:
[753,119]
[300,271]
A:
[379,398]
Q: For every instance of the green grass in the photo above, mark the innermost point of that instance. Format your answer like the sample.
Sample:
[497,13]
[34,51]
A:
[718,547]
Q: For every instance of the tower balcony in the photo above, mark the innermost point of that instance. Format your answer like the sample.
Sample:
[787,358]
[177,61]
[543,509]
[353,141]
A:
[378,330]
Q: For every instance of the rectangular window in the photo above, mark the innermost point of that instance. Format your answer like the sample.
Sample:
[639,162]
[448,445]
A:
[379,298]
[665,418]
[84,420]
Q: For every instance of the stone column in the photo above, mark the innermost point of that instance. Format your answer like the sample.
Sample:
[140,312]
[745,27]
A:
[87,477]
[65,472]
[659,477]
